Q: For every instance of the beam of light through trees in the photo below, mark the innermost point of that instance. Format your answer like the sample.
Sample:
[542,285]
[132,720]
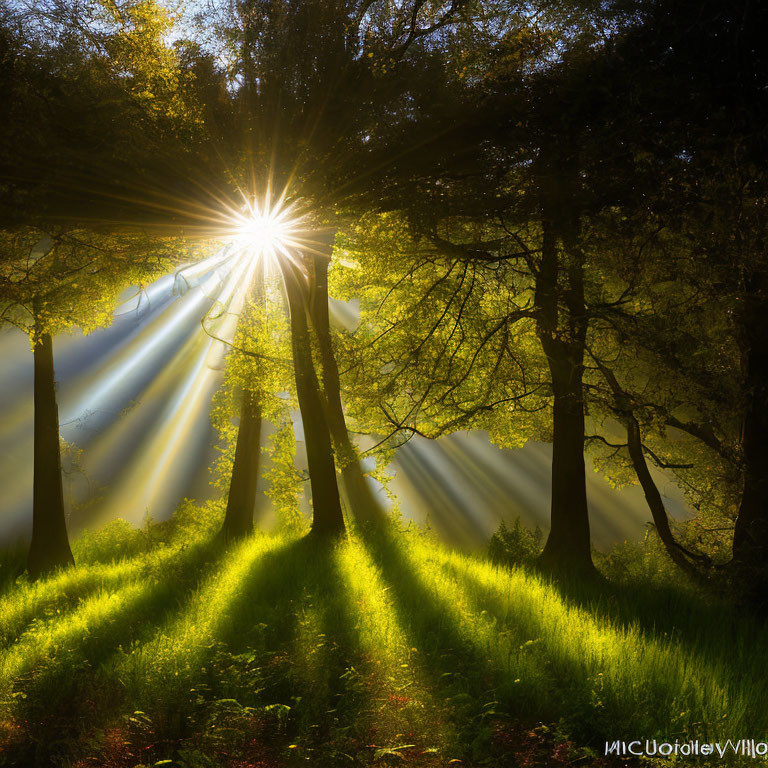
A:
[135,401]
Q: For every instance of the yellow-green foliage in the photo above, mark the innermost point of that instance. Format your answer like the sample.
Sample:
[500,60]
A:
[447,343]
[443,343]
[52,598]
[140,56]
[382,642]
[285,482]
[260,363]
[118,539]
[54,282]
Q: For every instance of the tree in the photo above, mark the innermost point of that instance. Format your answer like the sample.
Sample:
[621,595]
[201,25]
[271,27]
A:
[305,122]
[358,494]
[691,129]
[49,283]
[257,368]
[106,126]
[241,497]
[328,519]
[520,212]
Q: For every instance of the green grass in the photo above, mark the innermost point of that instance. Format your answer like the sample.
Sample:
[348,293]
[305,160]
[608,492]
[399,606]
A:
[383,648]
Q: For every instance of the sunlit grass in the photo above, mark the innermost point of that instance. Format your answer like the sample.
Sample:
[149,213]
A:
[571,662]
[402,700]
[154,670]
[104,620]
[49,599]
[294,650]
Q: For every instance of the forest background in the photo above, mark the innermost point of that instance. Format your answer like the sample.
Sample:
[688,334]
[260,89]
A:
[552,216]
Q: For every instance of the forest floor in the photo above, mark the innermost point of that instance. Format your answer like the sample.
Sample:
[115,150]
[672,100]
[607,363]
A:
[383,649]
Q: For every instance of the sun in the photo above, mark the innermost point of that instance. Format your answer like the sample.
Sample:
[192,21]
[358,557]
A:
[264,230]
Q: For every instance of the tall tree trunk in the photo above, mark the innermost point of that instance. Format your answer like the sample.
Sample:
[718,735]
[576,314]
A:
[49,548]
[568,546]
[327,515]
[750,539]
[359,495]
[238,519]
[560,275]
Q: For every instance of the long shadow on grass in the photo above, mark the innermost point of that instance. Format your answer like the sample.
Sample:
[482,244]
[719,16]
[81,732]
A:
[337,702]
[65,590]
[717,660]
[262,619]
[263,613]
[555,684]
[342,685]
[63,697]
[452,664]
[278,596]
[274,659]
[706,627]
[219,647]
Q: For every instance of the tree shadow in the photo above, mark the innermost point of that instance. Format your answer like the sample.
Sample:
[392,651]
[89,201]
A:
[285,653]
[66,590]
[262,612]
[67,695]
[702,651]
[293,641]
[227,646]
[454,668]
[705,625]
[336,700]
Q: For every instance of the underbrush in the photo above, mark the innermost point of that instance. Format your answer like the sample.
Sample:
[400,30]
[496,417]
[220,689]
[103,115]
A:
[382,648]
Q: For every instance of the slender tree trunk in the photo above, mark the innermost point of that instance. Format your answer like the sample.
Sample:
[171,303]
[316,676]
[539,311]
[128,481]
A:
[49,548]
[750,539]
[655,503]
[359,495]
[560,276]
[327,515]
[238,520]
[678,554]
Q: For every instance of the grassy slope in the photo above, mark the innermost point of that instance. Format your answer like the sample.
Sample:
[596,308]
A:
[384,648]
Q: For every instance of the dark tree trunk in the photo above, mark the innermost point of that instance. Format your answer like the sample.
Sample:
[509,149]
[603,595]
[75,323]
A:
[49,548]
[238,520]
[560,276]
[568,546]
[750,539]
[358,493]
[679,555]
[327,515]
